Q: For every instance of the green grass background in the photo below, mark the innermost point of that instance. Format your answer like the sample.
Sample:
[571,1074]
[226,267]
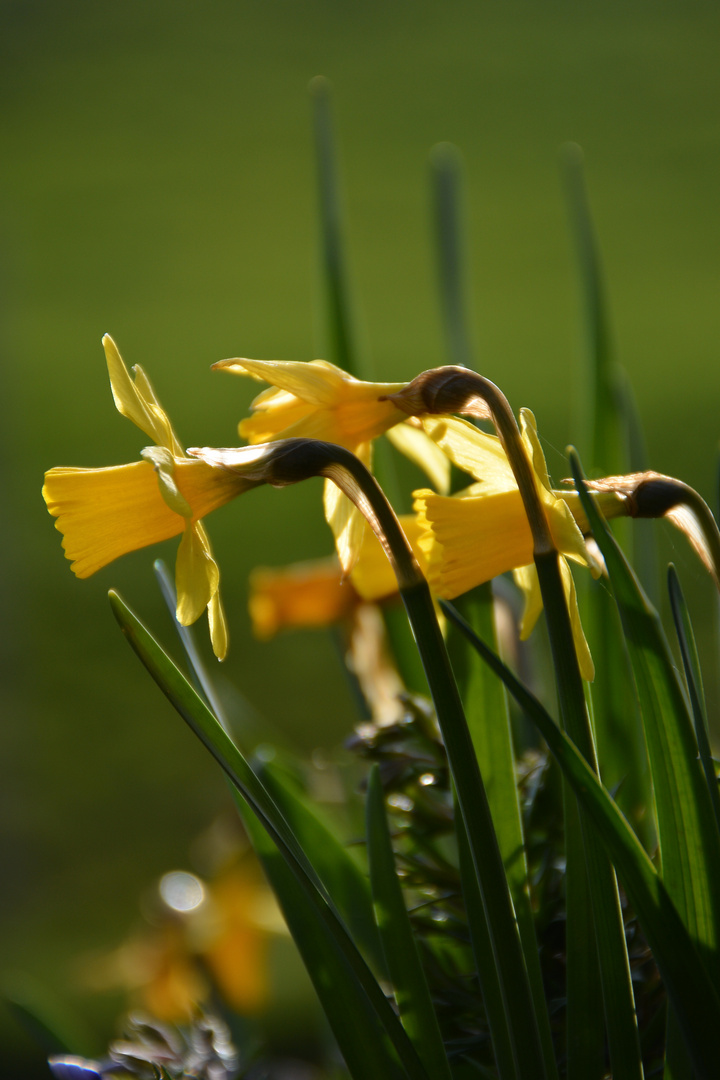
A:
[157,182]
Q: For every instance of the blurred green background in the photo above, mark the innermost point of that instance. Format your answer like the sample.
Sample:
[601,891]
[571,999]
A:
[157,182]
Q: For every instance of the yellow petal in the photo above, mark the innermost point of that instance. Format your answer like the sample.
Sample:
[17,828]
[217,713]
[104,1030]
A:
[196,575]
[475,452]
[526,579]
[373,576]
[473,539]
[566,534]
[529,435]
[267,424]
[164,464]
[218,626]
[585,661]
[316,382]
[165,428]
[416,445]
[347,524]
[315,400]
[105,513]
[130,402]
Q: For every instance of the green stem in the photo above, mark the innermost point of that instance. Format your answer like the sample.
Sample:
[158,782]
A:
[474,395]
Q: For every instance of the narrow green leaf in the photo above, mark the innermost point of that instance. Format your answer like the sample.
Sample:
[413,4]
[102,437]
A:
[362,1040]
[207,728]
[605,431]
[602,421]
[401,953]
[340,874]
[402,644]
[687,828]
[482,947]
[516,995]
[593,904]
[685,976]
[236,714]
[446,173]
[693,677]
[488,717]
[339,331]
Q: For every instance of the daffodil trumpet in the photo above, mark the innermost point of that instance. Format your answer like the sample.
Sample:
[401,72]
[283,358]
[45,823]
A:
[294,460]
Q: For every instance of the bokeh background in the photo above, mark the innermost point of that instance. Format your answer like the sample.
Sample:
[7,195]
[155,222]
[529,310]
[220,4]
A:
[157,181]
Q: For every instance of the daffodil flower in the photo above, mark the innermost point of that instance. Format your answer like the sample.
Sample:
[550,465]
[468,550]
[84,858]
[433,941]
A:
[317,400]
[483,531]
[108,512]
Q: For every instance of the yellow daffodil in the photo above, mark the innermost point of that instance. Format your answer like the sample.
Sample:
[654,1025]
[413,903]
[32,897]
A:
[108,512]
[317,400]
[483,531]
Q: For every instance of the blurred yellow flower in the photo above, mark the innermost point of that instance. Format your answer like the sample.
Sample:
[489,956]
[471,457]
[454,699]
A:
[483,531]
[302,595]
[108,512]
[219,944]
[317,400]
[311,594]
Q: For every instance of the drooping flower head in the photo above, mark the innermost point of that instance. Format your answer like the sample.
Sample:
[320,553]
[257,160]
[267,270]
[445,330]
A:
[317,400]
[483,531]
[105,513]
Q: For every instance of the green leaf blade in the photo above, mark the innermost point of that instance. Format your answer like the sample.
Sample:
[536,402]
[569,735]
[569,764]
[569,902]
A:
[362,1041]
[693,677]
[687,828]
[340,874]
[683,971]
[401,953]
[207,728]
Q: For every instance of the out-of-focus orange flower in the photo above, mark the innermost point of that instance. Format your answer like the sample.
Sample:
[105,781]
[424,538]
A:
[221,941]
[313,594]
[304,594]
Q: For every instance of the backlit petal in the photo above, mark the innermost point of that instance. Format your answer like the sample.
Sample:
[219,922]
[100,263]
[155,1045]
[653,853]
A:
[373,577]
[315,382]
[263,425]
[218,626]
[164,464]
[526,579]
[196,575]
[347,524]
[587,668]
[528,431]
[129,400]
[474,451]
[416,445]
